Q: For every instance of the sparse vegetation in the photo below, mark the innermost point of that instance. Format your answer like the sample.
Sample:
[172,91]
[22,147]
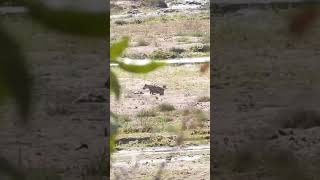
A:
[166,107]
[162,54]
[200,48]
[155,3]
[204,99]
[147,113]
[177,50]
[183,39]
[142,42]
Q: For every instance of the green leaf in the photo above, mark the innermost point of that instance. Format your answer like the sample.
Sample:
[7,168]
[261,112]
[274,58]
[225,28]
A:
[112,143]
[141,69]
[118,48]
[114,85]
[69,21]
[15,79]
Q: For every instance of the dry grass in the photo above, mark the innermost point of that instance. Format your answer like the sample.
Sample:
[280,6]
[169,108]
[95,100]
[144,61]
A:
[153,35]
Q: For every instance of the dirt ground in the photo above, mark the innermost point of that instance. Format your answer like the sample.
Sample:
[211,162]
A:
[159,34]
[185,84]
[266,91]
[174,163]
[151,125]
[68,105]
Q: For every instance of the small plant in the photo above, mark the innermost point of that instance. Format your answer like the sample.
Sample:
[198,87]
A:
[155,3]
[161,54]
[142,42]
[147,113]
[177,50]
[204,99]
[145,125]
[182,39]
[197,34]
[120,22]
[194,118]
[166,107]
[200,48]
[124,118]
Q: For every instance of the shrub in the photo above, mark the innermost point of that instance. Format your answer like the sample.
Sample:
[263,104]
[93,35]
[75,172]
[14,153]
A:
[161,54]
[177,50]
[166,107]
[142,42]
[204,99]
[200,48]
[155,3]
[147,113]
[182,39]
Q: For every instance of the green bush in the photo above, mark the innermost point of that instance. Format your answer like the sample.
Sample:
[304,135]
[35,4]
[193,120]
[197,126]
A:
[147,113]
[161,54]
[200,48]
[166,107]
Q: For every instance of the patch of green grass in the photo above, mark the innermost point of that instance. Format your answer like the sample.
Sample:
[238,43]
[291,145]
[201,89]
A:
[197,55]
[177,50]
[147,113]
[124,118]
[200,48]
[198,34]
[162,54]
[182,39]
[166,107]
[204,99]
[192,33]
[146,124]
[121,22]
[196,118]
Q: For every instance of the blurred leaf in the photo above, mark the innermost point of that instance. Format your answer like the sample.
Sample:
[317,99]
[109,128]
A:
[69,21]
[118,48]
[114,85]
[112,143]
[15,79]
[6,168]
[140,69]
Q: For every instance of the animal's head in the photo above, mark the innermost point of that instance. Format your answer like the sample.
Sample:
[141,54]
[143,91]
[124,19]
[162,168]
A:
[145,86]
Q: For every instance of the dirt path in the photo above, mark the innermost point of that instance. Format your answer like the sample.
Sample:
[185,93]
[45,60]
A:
[191,162]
